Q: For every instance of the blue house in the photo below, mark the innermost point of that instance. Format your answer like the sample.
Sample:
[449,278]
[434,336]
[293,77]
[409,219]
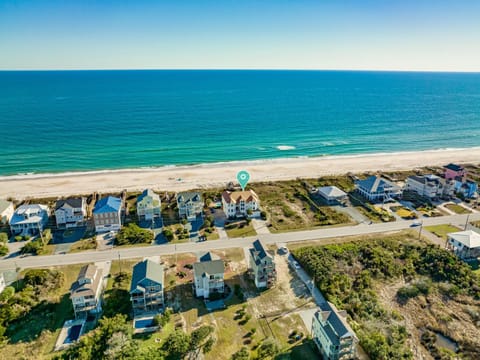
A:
[146,288]
[468,188]
[376,189]
[107,214]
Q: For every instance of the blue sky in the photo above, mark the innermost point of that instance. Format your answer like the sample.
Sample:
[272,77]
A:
[268,34]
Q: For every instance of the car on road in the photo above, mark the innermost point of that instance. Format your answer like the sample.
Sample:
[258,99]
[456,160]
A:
[296,265]
[416,223]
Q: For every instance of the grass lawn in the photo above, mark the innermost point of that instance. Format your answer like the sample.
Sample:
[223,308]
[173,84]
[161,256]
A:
[442,230]
[48,250]
[213,236]
[247,230]
[83,245]
[457,209]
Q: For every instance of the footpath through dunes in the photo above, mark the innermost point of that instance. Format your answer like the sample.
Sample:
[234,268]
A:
[218,174]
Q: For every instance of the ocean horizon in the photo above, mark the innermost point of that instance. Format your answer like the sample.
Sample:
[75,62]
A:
[94,120]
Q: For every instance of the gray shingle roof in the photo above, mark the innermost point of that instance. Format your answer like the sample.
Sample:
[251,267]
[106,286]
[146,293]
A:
[73,202]
[376,184]
[336,326]
[208,267]
[186,197]
[146,269]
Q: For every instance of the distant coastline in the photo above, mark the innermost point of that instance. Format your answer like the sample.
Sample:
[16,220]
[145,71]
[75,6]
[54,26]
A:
[235,163]
[179,178]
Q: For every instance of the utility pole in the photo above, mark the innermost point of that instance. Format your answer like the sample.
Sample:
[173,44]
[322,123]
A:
[466,222]
[420,231]
[119,262]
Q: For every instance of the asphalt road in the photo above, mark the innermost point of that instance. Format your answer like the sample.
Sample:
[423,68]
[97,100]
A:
[167,249]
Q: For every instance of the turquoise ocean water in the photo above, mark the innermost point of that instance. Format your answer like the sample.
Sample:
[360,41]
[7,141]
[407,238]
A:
[59,121]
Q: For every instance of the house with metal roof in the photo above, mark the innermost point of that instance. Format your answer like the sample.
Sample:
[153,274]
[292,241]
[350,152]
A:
[107,214]
[430,186]
[262,265]
[29,219]
[332,194]
[190,205]
[6,211]
[147,286]
[71,212]
[240,203]
[148,205]
[208,275]
[465,244]
[377,189]
[331,333]
[86,291]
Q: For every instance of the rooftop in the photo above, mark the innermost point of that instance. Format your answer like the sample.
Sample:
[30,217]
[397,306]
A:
[82,288]
[208,267]
[107,204]
[148,192]
[186,197]
[336,326]
[331,191]
[72,202]
[147,269]
[376,184]
[454,167]
[469,238]
[237,196]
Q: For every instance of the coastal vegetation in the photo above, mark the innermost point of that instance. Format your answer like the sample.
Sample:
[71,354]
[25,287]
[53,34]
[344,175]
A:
[393,285]
[133,234]
[289,206]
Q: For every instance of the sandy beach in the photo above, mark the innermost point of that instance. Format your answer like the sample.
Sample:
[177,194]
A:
[219,174]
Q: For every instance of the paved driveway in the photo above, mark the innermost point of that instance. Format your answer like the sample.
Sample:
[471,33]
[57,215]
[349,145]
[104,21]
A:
[195,227]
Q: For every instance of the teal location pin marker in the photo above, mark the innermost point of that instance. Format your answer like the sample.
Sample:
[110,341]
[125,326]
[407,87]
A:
[243,177]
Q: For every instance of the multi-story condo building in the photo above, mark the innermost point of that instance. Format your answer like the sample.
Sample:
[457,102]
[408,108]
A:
[86,292]
[70,212]
[190,205]
[332,334]
[208,275]
[107,214]
[238,203]
[29,219]
[430,186]
[146,289]
[148,205]
[262,265]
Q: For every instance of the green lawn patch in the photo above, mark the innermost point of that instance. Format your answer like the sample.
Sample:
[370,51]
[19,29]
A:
[457,209]
[83,245]
[240,229]
[442,230]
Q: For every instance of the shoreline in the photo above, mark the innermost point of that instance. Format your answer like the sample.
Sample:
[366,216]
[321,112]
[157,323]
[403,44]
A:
[206,175]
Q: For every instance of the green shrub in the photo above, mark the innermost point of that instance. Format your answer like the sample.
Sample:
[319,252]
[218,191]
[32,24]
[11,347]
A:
[133,234]
[3,249]
[3,238]
[168,234]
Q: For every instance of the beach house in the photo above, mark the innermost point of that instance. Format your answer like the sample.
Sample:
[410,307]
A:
[332,194]
[146,288]
[29,219]
[6,211]
[107,214]
[208,275]
[377,189]
[454,171]
[467,189]
[331,333]
[262,265]
[190,205]
[240,203]
[71,212]
[465,244]
[148,205]
[86,291]
[430,186]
